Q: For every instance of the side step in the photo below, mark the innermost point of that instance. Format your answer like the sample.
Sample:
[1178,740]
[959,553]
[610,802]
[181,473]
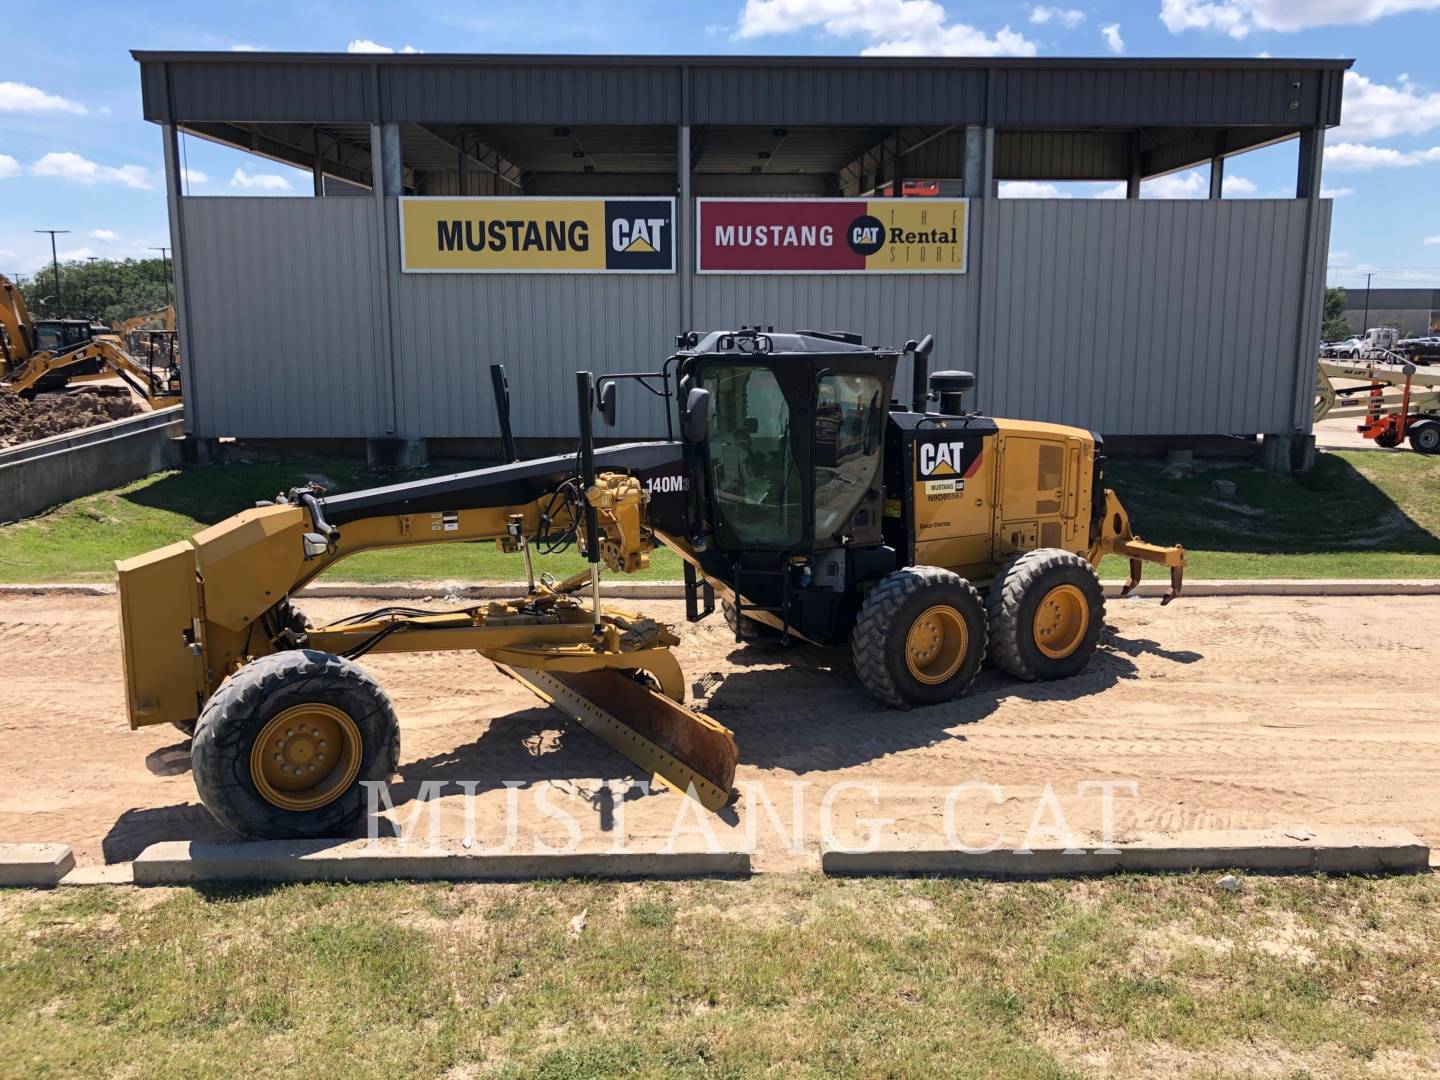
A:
[688,752]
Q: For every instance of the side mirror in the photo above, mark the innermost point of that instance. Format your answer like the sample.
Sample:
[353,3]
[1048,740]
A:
[606,403]
[697,415]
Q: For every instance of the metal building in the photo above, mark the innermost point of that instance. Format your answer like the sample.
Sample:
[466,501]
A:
[1196,317]
[1415,311]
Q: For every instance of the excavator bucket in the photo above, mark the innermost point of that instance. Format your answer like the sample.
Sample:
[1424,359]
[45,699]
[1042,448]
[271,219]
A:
[683,749]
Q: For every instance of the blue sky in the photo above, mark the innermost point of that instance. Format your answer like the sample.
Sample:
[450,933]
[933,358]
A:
[74,153]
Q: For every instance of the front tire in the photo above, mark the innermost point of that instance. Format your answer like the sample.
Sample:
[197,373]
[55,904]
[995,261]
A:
[282,749]
[1046,611]
[919,638]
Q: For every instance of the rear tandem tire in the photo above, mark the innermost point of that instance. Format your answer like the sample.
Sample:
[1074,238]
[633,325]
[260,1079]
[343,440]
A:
[312,705]
[1425,437]
[1046,612]
[919,638]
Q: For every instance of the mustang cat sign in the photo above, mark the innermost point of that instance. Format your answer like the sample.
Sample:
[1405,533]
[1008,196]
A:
[537,236]
[831,236]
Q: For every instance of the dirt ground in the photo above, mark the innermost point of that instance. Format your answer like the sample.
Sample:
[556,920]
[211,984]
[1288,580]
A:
[54,414]
[1225,713]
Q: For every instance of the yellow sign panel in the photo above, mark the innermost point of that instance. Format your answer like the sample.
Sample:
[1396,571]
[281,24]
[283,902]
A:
[537,235]
[920,235]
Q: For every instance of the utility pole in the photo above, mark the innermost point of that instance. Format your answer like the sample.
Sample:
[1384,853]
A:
[165,257]
[1366,325]
[55,264]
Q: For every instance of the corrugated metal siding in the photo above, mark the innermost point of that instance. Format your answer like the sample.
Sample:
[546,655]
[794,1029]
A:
[1039,96]
[838,95]
[282,297]
[243,92]
[543,327]
[1146,316]
[539,94]
[1128,317]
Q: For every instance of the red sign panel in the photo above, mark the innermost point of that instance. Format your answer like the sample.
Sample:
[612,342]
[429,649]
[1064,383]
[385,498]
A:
[831,236]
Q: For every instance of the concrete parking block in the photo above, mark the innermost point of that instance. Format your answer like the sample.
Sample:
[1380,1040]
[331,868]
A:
[1299,851]
[34,865]
[188,863]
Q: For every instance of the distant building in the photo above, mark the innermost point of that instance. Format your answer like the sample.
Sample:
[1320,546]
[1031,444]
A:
[1416,311]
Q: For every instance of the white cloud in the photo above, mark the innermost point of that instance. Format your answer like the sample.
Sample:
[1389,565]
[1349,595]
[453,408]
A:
[1186,185]
[107,235]
[1113,41]
[1361,157]
[19,97]
[1432,239]
[891,27]
[1372,110]
[194,176]
[1030,189]
[71,166]
[8,167]
[1336,192]
[259,181]
[1114,191]
[365,45]
[1068,17]
[1239,17]
[1237,185]
[252,48]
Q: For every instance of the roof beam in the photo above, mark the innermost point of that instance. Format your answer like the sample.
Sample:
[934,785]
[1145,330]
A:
[476,150]
[290,144]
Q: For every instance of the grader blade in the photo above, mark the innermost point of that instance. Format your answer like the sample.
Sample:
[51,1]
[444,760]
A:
[685,750]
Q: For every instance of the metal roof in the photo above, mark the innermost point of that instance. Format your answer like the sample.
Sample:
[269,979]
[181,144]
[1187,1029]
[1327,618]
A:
[1039,93]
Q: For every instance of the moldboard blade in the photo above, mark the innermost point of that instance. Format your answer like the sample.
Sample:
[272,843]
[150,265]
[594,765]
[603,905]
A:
[689,752]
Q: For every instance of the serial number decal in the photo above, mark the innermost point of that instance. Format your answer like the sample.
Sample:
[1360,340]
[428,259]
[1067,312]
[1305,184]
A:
[445,521]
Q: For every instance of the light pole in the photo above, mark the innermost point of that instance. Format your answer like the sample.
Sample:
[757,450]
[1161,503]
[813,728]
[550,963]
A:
[1366,324]
[55,264]
[165,258]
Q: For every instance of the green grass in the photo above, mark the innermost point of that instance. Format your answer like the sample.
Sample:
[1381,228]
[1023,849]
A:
[785,975]
[1358,514]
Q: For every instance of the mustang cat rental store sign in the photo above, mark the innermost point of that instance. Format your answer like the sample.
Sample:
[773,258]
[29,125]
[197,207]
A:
[831,236]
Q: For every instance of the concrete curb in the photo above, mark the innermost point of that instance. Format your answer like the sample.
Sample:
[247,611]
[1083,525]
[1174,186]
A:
[1329,851]
[34,866]
[188,863]
[673,590]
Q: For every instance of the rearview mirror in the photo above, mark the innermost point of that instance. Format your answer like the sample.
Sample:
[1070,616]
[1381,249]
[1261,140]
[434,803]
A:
[697,415]
[606,403]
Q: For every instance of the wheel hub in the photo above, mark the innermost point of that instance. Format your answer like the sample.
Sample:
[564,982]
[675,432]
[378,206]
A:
[1061,620]
[306,756]
[936,644]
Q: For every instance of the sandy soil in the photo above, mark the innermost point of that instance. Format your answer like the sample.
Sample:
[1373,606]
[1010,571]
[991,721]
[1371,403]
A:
[1226,713]
[56,413]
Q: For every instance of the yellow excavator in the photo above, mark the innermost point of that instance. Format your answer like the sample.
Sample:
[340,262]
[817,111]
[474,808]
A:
[48,353]
[925,539]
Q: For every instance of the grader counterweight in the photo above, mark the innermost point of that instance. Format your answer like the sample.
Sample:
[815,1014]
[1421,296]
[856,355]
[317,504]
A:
[796,490]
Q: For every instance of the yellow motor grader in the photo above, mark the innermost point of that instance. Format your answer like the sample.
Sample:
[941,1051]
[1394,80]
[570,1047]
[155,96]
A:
[792,486]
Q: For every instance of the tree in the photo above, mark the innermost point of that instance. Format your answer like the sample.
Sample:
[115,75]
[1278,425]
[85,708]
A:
[110,290]
[1334,326]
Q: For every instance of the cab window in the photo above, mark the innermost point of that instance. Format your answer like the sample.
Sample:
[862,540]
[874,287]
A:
[849,424]
[753,472]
